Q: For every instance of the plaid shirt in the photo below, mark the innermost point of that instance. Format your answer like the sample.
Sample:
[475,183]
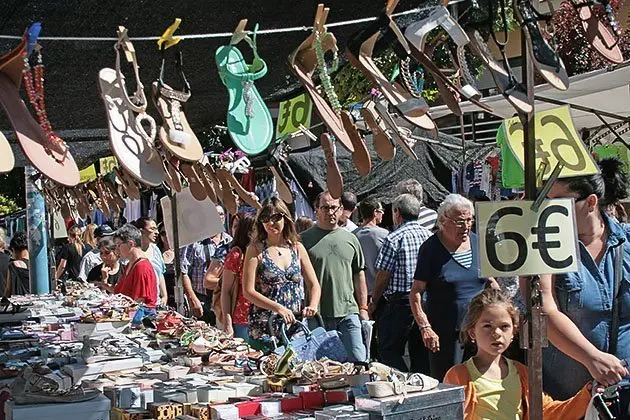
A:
[196,257]
[399,255]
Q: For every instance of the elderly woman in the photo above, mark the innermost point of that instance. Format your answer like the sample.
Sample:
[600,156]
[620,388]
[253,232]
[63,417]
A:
[579,305]
[109,271]
[448,271]
[138,280]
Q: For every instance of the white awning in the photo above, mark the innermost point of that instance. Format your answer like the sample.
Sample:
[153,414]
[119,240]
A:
[601,90]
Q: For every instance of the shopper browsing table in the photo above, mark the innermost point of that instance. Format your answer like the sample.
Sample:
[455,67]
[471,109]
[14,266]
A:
[110,270]
[339,264]
[93,258]
[138,279]
[149,231]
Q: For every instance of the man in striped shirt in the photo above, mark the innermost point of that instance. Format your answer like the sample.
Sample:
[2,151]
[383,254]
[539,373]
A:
[426,217]
[395,267]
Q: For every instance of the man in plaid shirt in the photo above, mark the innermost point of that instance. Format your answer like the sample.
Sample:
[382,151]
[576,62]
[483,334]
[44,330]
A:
[395,265]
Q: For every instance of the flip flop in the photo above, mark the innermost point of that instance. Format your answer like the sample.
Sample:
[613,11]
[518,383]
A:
[303,63]
[131,143]
[546,60]
[383,143]
[129,185]
[248,118]
[227,195]
[197,189]
[360,157]
[597,33]
[359,51]
[334,180]
[48,156]
[7,160]
[242,193]
[509,87]
[402,138]
[212,175]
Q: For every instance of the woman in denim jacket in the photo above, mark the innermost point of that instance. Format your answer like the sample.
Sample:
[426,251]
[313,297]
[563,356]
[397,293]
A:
[579,305]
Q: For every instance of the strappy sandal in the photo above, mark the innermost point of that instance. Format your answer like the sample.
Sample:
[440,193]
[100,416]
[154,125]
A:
[197,189]
[383,143]
[175,134]
[303,62]
[507,84]
[243,194]
[546,60]
[360,156]
[48,153]
[172,175]
[359,51]
[206,180]
[401,135]
[7,160]
[334,180]
[131,189]
[113,192]
[132,144]
[216,185]
[605,42]
[248,118]
[227,195]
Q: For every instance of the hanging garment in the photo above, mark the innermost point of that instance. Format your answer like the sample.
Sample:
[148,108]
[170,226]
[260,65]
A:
[513,175]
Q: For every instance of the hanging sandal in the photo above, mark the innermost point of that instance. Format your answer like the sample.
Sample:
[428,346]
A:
[247,197]
[128,184]
[303,62]
[360,156]
[7,160]
[248,118]
[401,135]
[605,42]
[197,189]
[546,60]
[274,163]
[383,143]
[359,52]
[227,195]
[334,180]
[42,147]
[132,144]
[202,171]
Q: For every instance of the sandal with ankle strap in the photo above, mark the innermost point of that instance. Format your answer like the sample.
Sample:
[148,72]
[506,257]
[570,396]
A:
[132,144]
[248,118]
[605,42]
[360,157]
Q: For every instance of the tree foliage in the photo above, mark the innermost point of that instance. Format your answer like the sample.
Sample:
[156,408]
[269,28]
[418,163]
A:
[7,206]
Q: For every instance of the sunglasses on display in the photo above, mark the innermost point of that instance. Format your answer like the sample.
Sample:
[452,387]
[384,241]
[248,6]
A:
[274,218]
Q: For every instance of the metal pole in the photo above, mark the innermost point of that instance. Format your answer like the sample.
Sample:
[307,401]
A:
[533,298]
[179,287]
[37,236]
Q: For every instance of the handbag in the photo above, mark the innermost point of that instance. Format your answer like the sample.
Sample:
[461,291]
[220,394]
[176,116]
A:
[315,344]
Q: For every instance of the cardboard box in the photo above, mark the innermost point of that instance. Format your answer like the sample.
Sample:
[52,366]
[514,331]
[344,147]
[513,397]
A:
[201,411]
[289,404]
[249,408]
[128,396]
[224,412]
[161,410]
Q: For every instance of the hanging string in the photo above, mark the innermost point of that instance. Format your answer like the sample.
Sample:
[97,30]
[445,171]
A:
[219,34]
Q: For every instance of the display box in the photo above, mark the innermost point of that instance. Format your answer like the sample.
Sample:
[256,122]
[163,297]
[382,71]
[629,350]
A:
[224,412]
[338,396]
[200,411]
[95,409]
[162,410]
[128,414]
[444,402]
[128,396]
[98,330]
[244,389]
[292,403]
[313,399]
[248,408]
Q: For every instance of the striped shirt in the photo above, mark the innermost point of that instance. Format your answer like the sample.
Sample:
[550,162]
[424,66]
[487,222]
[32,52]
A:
[427,217]
[464,258]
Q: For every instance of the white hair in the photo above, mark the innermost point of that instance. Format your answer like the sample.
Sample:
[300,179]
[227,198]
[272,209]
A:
[454,202]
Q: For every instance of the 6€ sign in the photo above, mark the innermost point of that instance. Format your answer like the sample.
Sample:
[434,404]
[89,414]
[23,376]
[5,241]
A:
[292,113]
[556,141]
[515,240]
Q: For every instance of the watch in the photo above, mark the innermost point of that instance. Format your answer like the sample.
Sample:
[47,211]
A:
[424,326]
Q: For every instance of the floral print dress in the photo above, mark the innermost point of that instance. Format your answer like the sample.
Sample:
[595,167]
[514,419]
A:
[283,286]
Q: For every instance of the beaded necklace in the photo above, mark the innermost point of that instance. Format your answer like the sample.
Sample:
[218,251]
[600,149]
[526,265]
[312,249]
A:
[34,85]
[323,69]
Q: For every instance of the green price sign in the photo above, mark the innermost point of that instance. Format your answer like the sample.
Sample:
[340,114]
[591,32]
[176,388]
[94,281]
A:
[292,113]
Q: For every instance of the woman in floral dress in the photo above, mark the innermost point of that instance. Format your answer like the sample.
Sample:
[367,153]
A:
[275,271]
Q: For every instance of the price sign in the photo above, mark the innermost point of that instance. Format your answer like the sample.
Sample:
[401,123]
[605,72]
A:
[107,164]
[88,173]
[515,240]
[556,141]
[292,113]
[59,226]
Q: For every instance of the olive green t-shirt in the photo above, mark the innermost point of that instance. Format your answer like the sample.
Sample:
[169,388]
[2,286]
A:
[336,255]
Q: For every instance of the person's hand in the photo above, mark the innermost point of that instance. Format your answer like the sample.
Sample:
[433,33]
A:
[606,368]
[363,314]
[105,272]
[430,339]
[287,315]
[371,309]
[309,312]
[228,328]
[195,306]
[164,300]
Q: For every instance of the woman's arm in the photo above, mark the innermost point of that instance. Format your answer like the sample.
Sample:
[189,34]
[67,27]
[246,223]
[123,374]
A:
[249,290]
[60,268]
[227,282]
[163,292]
[565,335]
[429,337]
[310,278]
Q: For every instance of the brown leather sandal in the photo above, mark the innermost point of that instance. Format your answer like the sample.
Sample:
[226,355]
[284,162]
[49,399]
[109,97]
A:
[197,189]
[360,156]
[383,143]
[206,181]
[334,180]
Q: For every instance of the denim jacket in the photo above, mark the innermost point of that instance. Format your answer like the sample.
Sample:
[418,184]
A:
[586,297]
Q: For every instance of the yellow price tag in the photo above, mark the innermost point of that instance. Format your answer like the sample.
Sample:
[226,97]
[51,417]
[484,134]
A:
[107,164]
[292,113]
[88,173]
[556,141]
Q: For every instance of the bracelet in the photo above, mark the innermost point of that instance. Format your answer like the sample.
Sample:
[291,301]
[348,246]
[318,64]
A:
[363,308]
[424,326]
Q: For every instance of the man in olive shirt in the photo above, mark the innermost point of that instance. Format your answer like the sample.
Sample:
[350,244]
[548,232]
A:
[339,264]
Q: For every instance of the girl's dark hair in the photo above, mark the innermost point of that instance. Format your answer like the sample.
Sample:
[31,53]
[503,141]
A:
[141,222]
[244,230]
[484,299]
[270,206]
[609,186]
[19,241]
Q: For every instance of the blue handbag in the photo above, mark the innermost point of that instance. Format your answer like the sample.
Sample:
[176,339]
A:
[314,344]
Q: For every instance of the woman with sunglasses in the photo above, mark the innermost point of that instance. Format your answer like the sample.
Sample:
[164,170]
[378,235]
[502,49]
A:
[448,271]
[579,305]
[275,271]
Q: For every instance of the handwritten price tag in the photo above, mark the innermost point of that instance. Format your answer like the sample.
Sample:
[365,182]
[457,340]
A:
[515,240]
[292,113]
[107,164]
[556,141]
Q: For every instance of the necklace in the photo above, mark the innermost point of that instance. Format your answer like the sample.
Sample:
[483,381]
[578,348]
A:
[34,85]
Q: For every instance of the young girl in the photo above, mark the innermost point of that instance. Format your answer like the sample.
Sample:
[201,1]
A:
[497,387]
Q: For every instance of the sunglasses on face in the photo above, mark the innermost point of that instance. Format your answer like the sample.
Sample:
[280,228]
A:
[274,218]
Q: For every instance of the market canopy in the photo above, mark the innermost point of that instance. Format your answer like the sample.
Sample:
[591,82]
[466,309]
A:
[604,90]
